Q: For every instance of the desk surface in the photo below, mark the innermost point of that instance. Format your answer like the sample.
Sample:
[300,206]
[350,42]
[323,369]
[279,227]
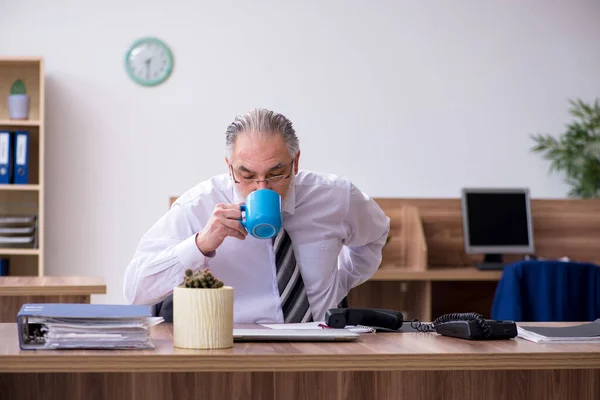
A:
[389,272]
[373,352]
[51,285]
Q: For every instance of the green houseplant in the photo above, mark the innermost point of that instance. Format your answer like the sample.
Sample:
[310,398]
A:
[18,101]
[202,312]
[576,151]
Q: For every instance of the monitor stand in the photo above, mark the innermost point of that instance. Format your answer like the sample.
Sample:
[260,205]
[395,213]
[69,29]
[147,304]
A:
[491,262]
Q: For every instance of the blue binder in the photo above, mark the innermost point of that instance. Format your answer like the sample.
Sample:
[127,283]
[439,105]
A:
[6,150]
[4,266]
[32,318]
[84,311]
[21,158]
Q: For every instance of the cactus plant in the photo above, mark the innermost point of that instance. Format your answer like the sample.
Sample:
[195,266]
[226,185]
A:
[202,319]
[18,101]
[18,87]
[201,279]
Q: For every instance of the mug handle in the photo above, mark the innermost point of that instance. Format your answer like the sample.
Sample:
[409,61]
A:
[244,210]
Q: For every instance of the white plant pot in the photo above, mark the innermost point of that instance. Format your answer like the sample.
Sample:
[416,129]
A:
[18,106]
[203,318]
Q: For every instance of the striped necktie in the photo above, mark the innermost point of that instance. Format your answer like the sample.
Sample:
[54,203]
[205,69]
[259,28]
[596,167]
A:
[294,301]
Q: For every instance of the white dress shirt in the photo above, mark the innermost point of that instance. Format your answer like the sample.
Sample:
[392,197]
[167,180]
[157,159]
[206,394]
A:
[337,234]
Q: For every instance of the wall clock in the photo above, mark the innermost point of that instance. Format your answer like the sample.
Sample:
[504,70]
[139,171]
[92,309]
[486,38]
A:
[149,61]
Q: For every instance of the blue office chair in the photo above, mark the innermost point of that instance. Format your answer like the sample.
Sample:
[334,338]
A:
[548,291]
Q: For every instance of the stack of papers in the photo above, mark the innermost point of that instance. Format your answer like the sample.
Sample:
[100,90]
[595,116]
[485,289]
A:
[85,326]
[583,333]
[319,325]
[18,230]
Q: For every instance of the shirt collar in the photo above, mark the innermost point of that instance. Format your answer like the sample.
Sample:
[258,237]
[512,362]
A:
[289,205]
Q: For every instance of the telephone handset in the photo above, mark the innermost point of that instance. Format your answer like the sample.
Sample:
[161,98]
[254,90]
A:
[379,319]
[471,326]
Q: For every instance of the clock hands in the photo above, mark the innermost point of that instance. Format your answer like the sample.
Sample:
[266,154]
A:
[147,62]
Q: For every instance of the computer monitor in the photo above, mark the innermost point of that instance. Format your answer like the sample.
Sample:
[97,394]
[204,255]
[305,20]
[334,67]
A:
[496,222]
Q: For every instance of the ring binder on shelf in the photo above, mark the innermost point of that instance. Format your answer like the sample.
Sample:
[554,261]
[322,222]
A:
[21,158]
[4,266]
[6,161]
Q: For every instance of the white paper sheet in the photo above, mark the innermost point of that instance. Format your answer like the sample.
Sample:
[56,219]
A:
[317,325]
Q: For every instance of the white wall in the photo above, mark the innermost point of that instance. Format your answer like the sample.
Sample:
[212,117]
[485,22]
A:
[406,99]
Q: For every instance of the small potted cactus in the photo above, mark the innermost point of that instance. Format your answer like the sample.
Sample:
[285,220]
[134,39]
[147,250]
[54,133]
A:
[18,101]
[202,312]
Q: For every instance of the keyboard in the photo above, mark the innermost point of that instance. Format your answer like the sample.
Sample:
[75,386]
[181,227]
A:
[490,266]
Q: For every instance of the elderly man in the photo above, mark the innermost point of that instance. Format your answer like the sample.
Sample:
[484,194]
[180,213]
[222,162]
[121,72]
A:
[330,241]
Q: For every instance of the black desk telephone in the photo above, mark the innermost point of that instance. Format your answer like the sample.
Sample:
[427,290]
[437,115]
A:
[471,326]
[380,320]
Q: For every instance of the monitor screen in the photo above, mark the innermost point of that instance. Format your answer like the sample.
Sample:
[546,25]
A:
[497,221]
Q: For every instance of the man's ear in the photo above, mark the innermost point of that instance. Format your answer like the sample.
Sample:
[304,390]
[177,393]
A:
[296,162]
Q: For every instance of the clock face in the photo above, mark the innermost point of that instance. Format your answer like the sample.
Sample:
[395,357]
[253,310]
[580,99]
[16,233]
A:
[148,61]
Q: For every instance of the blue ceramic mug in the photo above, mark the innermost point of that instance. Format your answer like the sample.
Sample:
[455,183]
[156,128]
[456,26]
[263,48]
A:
[262,213]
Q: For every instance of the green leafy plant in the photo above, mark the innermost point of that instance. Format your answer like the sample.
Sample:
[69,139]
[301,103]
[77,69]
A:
[201,279]
[577,151]
[18,87]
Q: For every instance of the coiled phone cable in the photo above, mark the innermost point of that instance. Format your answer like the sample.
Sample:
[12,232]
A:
[425,327]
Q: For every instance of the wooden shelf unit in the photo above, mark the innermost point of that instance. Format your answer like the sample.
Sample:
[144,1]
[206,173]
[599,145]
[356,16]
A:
[426,273]
[34,188]
[25,199]
[15,122]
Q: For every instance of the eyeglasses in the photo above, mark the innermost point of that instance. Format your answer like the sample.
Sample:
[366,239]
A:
[273,180]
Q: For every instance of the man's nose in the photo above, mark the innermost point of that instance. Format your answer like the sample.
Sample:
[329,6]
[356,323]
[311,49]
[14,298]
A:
[263,185]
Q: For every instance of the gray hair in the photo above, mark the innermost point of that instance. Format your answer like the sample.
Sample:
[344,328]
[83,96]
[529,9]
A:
[263,121]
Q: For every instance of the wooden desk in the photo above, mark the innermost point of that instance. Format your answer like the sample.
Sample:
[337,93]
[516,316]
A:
[379,366]
[454,274]
[17,290]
